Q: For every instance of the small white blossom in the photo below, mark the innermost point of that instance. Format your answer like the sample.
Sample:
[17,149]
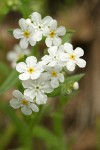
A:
[54,56]
[16,54]
[54,75]
[29,69]
[24,102]
[26,34]
[72,57]
[36,89]
[53,34]
[39,24]
[75,86]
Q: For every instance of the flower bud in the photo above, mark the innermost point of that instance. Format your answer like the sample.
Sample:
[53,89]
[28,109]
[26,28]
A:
[75,86]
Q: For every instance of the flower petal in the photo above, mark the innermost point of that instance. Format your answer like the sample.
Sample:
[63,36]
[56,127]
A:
[31,61]
[25,110]
[61,77]
[34,107]
[23,43]
[24,76]
[37,36]
[53,50]
[68,48]
[46,31]
[61,31]
[79,52]
[15,103]
[36,18]
[18,33]
[41,98]
[32,41]
[57,41]
[53,26]
[48,41]
[70,66]
[46,20]
[63,56]
[21,67]
[46,59]
[23,23]
[81,62]
[35,75]
[54,83]
[27,83]
[30,93]
[17,94]
[47,87]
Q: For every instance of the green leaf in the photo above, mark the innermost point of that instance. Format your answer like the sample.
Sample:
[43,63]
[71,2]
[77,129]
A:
[68,36]
[20,125]
[56,92]
[9,82]
[51,140]
[4,68]
[74,78]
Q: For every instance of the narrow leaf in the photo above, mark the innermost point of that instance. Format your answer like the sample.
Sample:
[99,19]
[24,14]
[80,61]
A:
[9,82]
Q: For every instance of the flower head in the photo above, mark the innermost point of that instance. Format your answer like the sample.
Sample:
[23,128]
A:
[25,33]
[24,102]
[53,34]
[36,89]
[53,58]
[16,54]
[39,24]
[54,75]
[30,69]
[72,57]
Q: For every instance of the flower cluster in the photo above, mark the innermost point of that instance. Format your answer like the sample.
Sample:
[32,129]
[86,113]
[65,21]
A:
[41,77]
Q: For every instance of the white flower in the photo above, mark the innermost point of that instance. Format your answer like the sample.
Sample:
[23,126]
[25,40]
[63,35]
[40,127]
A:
[54,56]
[39,24]
[72,57]
[16,54]
[37,89]
[52,33]
[30,69]
[54,75]
[26,34]
[24,102]
[75,86]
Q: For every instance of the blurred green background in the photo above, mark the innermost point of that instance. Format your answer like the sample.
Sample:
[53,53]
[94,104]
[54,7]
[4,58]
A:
[77,125]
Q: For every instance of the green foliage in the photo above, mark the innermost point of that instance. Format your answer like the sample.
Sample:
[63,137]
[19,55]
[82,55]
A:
[52,141]
[11,80]
[68,36]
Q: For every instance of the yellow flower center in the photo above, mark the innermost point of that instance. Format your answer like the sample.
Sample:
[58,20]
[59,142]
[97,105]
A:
[26,34]
[54,74]
[72,57]
[24,102]
[52,34]
[31,70]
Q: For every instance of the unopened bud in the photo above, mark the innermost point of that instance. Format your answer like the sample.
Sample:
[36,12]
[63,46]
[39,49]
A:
[75,86]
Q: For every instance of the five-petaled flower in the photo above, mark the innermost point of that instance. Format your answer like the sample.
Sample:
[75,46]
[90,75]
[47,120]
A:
[39,24]
[29,70]
[26,34]
[54,75]
[24,102]
[72,57]
[53,34]
[36,89]
[17,54]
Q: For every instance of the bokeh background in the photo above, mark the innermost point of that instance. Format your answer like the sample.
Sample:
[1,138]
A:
[81,121]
